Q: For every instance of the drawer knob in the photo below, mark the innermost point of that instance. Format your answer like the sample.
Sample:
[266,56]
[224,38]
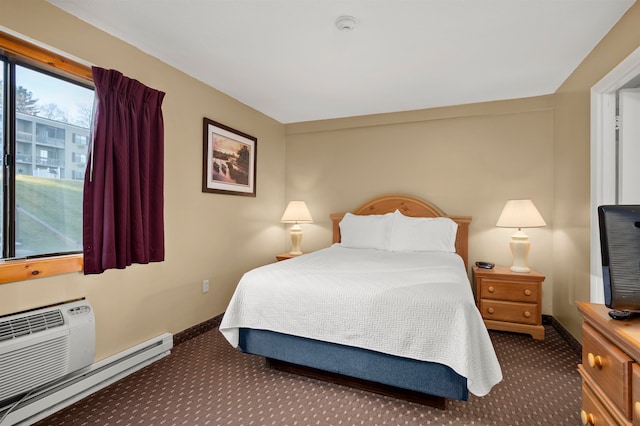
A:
[587,418]
[490,310]
[595,360]
[491,289]
[527,292]
[527,314]
[636,408]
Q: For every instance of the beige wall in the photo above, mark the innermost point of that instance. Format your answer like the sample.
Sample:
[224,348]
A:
[208,236]
[571,213]
[468,160]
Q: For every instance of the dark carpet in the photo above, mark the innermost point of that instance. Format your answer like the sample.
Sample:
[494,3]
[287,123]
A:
[207,382]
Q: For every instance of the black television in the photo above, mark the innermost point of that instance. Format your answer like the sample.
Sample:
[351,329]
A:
[620,249]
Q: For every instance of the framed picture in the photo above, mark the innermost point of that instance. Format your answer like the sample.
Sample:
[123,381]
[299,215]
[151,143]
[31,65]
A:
[229,160]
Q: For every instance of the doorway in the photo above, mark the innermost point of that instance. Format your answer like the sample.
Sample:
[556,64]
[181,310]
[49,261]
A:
[606,181]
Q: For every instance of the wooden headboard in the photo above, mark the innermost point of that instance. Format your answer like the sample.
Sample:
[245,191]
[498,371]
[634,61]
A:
[409,206]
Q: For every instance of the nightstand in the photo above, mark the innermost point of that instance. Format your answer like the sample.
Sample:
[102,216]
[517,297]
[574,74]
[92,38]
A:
[285,256]
[510,301]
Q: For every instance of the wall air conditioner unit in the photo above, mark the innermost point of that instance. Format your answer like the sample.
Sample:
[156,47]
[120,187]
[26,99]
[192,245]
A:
[43,345]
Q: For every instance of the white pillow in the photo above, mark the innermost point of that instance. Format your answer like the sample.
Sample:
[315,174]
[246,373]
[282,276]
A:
[422,234]
[366,231]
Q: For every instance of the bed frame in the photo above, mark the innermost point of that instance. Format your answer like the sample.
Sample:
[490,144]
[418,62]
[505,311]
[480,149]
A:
[416,381]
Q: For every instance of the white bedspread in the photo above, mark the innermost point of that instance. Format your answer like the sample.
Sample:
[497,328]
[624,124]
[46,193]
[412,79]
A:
[412,304]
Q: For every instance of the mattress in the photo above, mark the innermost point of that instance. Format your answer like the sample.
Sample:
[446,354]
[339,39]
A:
[416,305]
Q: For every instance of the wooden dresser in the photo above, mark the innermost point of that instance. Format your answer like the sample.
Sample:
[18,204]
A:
[510,301]
[610,368]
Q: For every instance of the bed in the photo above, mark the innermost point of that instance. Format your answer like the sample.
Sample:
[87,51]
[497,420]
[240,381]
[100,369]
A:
[387,308]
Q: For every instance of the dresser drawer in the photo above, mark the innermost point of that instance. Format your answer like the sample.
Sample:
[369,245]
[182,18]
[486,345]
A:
[635,394]
[593,413]
[608,366]
[511,291]
[523,313]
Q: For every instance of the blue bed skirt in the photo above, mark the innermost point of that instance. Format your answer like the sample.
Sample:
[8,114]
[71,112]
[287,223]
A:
[405,373]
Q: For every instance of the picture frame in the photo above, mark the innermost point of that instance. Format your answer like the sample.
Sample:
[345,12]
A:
[228,160]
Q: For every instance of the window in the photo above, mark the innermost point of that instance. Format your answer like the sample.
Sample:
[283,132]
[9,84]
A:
[79,158]
[24,130]
[43,115]
[80,139]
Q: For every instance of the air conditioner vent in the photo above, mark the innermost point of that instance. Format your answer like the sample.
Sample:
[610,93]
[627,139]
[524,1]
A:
[16,327]
[41,346]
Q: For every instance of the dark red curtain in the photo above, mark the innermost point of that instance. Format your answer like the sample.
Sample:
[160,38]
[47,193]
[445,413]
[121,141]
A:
[123,206]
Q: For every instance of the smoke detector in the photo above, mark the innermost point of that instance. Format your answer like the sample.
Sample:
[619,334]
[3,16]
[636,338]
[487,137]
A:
[346,23]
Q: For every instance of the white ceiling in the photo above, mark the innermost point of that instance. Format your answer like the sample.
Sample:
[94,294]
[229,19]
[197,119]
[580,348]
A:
[287,59]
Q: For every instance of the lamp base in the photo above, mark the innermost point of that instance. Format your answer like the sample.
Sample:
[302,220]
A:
[520,249]
[296,239]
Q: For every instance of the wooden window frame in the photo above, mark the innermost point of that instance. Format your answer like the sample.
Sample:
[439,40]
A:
[15,47]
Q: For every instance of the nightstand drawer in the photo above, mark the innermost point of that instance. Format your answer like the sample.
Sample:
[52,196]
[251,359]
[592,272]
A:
[512,291]
[523,313]
[608,366]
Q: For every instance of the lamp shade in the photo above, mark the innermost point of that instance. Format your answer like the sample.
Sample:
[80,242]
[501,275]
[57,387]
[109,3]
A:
[296,212]
[520,214]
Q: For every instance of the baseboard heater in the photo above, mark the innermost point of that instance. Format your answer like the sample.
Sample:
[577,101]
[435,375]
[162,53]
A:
[48,399]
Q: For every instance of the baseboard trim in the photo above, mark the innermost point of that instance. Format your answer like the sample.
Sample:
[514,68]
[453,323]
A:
[563,332]
[197,330]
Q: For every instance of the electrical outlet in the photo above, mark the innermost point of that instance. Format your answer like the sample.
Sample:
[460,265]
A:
[205,286]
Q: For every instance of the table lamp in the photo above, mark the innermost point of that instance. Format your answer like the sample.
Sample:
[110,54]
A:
[296,213]
[520,214]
